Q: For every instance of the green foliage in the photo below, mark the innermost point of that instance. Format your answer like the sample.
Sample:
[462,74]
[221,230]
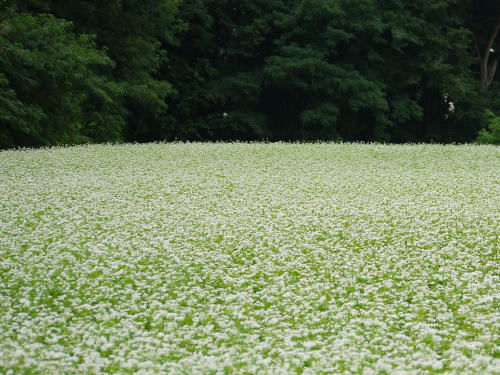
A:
[50,88]
[490,135]
[136,34]
[343,70]
[370,70]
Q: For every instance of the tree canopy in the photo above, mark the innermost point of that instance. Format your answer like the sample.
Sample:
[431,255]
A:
[80,71]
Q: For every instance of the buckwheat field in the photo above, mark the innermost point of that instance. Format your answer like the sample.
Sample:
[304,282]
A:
[250,259]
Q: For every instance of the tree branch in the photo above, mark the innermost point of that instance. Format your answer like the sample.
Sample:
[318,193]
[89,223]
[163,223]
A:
[491,72]
[493,36]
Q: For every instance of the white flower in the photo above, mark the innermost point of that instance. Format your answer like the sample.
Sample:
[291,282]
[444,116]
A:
[251,258]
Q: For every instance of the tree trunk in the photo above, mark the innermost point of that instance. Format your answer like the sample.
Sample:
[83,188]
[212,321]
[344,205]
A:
[488,68]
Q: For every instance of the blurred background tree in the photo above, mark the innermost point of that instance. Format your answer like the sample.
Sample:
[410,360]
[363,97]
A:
[146,70]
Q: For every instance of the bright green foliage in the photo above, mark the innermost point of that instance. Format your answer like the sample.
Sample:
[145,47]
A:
[50,87]
[250,258]
[134,33]
[490,135]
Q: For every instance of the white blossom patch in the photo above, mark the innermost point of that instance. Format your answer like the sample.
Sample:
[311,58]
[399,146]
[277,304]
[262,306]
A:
[250,259]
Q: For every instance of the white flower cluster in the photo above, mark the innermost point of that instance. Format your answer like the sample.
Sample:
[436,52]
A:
[250,259]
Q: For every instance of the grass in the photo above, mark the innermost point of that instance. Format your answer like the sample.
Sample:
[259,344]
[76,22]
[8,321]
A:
[250,259]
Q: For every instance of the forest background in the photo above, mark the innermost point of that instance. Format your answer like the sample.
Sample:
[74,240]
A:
[80,71]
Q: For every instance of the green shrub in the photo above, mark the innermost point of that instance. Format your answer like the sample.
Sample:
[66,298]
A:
[490,135]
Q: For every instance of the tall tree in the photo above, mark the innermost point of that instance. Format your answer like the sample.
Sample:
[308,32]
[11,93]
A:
[52,86]
[370,70]
[133,33]
[484,21]
[353,70]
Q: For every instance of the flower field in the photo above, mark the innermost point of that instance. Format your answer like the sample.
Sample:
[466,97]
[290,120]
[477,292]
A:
[250,259]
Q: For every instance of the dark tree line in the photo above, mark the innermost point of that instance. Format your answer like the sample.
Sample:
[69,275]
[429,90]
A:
[77,71]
